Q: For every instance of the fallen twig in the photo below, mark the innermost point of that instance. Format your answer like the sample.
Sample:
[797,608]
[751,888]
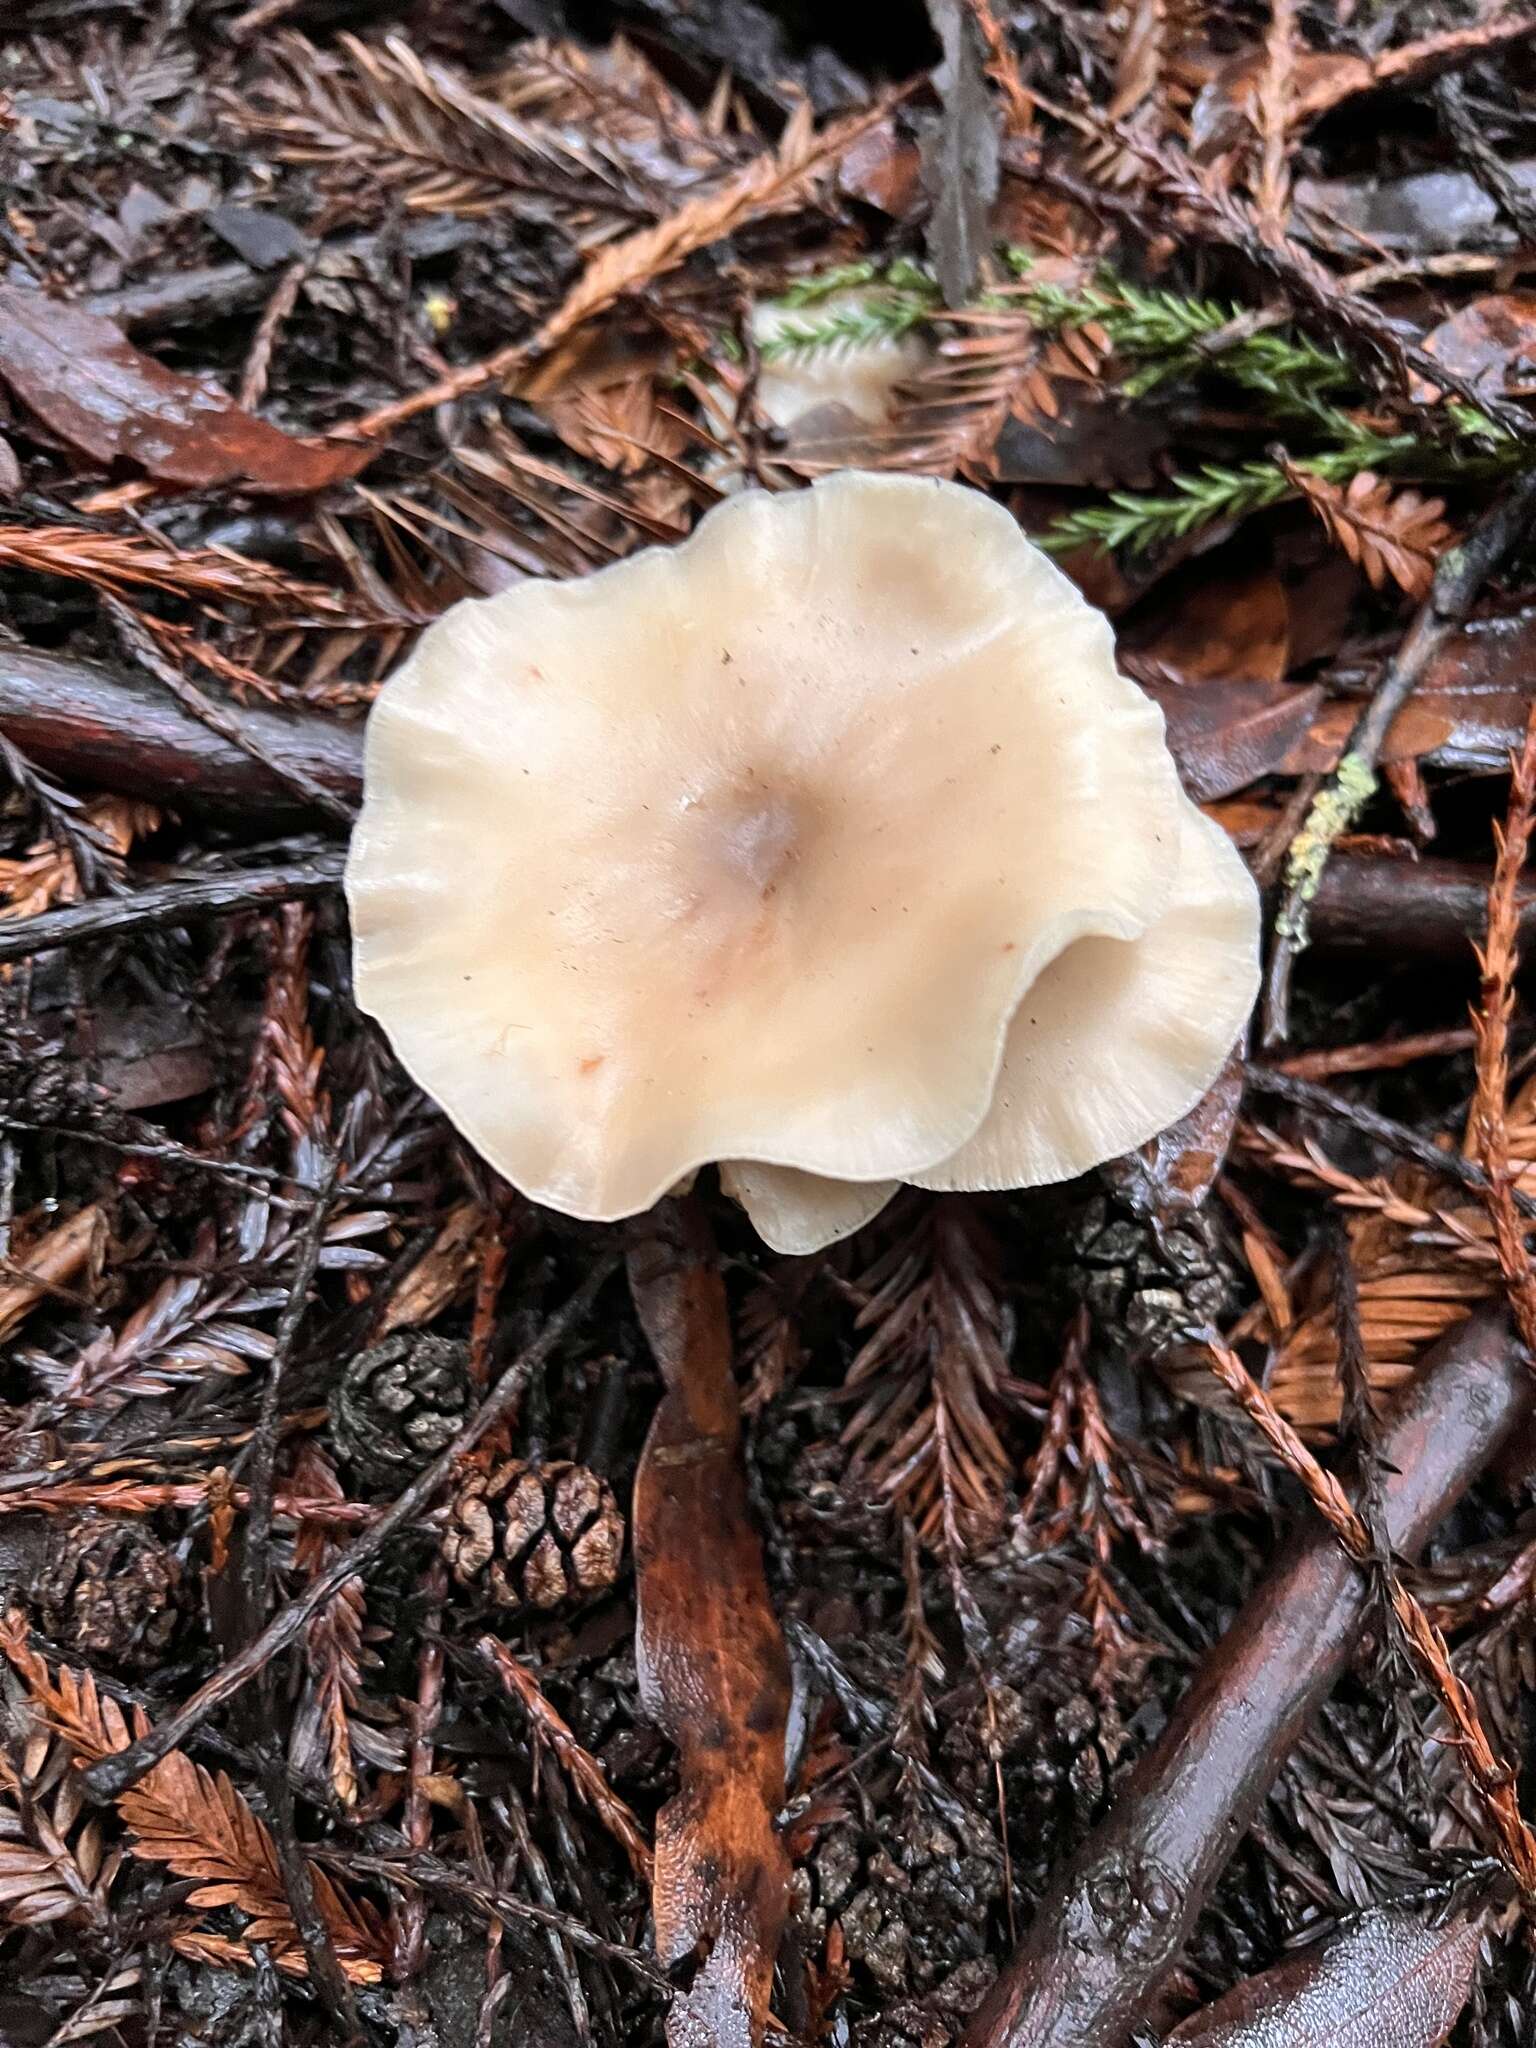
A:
[1399,1138]
[433,1874]
[1482,159]
[114,1774]
[1459,577]
[324,1967]
[187,297]
[229,724]
[164,906]
[110,730]
[1407,909]
[1116,1917]
[1491,1777]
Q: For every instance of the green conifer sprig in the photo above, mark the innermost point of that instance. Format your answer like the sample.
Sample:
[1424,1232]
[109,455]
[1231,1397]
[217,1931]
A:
[1136,521]
[1157,337]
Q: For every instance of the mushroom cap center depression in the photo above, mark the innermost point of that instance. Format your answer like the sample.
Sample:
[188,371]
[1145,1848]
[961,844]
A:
[740,847]
[751,836]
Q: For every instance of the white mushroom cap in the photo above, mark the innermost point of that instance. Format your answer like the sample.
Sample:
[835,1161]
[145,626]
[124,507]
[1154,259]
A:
[802,1212]
[1119,1038]
[861,378]
[1114,1042]
[748,849]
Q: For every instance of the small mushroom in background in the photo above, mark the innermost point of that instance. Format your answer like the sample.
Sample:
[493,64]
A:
[829,845]
[833,394]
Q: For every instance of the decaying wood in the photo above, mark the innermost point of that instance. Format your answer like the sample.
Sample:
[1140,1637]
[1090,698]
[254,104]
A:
[167,905]
[111,730]
[713,1670]
[1116,1917]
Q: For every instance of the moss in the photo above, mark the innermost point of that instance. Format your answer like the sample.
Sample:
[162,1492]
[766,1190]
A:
[1333,812]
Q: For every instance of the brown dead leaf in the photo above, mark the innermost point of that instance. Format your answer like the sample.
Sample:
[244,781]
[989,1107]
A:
[712,1668]
[1471,729]
[616,424]
[1211,624]
[1247,821]
[1387,1981]
[1322,600]
[1491,342]
[1225,736]
[1394,536]
[1177,1170]
[883,171]
[99,393]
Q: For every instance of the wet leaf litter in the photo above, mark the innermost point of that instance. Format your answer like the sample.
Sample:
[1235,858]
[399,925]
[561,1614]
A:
[411,1628]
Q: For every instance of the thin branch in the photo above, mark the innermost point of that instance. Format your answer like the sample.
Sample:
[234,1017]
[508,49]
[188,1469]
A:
[165,906]
[262,1469]
[1459,577]
[1490,1776]
[1115,1920]
[227,724]
[1399,1138]
[114,1774]
[428,1870]
[325,1971]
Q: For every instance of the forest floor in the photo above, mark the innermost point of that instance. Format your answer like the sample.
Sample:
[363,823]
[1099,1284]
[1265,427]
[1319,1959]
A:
[318,1443]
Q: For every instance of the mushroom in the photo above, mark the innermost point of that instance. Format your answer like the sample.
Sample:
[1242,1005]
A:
[1114,1042]
[829,844]
[806,390]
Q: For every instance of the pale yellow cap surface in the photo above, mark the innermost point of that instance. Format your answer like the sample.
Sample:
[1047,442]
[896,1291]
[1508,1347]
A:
[747,850]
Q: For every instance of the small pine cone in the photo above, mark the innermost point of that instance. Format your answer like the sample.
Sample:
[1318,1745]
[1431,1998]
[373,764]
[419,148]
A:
[1059,1769]
[537,1534]
[24,1445]
[399,1403]
[108,1590]
[1146,1280]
